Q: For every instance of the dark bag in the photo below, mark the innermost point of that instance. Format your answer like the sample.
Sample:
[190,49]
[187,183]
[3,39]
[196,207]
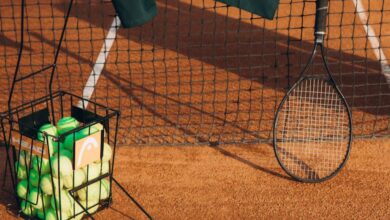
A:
[264,8]
[135,12]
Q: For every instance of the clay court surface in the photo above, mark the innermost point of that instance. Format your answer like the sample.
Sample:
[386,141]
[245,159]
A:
[172,92]
[243,182]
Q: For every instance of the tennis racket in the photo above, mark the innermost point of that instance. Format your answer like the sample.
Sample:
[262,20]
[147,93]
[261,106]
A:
[313,125]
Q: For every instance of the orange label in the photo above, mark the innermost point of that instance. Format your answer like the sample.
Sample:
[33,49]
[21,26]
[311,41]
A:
[29,145]
[87,150]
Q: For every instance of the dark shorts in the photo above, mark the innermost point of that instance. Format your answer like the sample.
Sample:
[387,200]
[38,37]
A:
[135,12]
[264,8]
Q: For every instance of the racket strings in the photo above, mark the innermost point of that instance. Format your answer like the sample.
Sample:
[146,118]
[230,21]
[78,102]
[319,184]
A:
[313,130]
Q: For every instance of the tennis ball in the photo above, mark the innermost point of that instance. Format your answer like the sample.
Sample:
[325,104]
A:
[47,186]
[27,208]
[92,171]
[47,128]
[107,152]
[34,177]
[90,192]
[50,130]
[79,178]
[68,142]
[76,212]
[97,127]
[85,132]
[66,124]
[105,167]
[41,163]
[66,153]
[21,171]
[104,189]
[35,198]
[40,213]
[91,205]
[21,189]
[24,158]
[51,214]
[46,201]
[61,166]
[65,203]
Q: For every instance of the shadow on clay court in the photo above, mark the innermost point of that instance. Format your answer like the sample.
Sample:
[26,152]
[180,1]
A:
[7,197]
[233,57]
[130,92]
[121,213]
[276,58]
[249,163]
[11,43]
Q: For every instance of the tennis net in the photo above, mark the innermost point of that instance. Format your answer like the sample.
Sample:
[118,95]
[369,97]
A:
[201,71]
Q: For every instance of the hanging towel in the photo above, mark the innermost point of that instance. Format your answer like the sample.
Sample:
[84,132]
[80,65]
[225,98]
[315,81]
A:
[264,8]
[135,12]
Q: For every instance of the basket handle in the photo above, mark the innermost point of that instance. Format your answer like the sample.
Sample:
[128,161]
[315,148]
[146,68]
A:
[52,66]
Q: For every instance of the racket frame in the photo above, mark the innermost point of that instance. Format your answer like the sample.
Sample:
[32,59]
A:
[320,30]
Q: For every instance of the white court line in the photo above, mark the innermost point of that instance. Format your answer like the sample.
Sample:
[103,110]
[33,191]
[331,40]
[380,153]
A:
[100,62]
[374,41]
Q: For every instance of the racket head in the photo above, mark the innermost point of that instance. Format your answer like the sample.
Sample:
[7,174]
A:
[313,130]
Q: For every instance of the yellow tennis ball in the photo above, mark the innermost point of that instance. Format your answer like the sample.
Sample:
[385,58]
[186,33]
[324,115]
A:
[21,189]
[64,152]
[21,171]
[97,127]
[68,142]
[34,197]
[24,158]
[85,132]
[91,205]
[105,167]
[90,130]
[66,124]
[64,203]
[70,182]
[92,171]
[90,192]
[27,208]
[51,214]
[51,130]
[34,177]
[107,153]
[61,166]
[46,201]
[47,186]
[42,164]
[40,213]
[76,212]
[104,189]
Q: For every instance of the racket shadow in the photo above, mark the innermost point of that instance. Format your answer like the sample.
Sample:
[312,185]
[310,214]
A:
[304,166]
[123,214]
[248,162]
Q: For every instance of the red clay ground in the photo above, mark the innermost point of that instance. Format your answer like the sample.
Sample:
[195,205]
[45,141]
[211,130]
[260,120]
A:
[232,182]
[244,182]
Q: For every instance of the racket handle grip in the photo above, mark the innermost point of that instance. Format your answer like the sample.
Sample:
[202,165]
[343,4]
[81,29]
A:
[320,25]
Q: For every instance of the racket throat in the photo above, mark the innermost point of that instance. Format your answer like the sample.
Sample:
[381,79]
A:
[319,38]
